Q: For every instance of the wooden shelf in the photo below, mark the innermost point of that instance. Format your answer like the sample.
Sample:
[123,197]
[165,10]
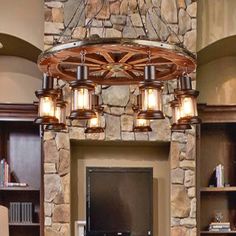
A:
[216,189]
[210,232]
[18,189]
[24,224]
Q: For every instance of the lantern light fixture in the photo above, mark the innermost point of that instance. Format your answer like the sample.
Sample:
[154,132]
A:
[82,91]
[47,102]
[60,113]
[188,101]
[140,124]
[151,95]
[94,124]
[176,126]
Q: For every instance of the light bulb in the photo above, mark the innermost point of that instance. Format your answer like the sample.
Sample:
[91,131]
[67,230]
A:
[47,106]
[141,122]
[83,98]
[94,122]
[187,107]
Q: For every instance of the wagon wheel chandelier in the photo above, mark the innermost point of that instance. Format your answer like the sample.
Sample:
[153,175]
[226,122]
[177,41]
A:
[115,61]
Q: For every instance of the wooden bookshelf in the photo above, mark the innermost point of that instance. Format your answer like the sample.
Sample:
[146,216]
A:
[20,145]
[216,145]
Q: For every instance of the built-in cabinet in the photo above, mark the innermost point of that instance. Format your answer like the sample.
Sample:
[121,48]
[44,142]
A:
[216,145]
[20,146]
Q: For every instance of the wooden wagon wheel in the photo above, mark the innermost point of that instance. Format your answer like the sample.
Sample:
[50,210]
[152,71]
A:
[117,61]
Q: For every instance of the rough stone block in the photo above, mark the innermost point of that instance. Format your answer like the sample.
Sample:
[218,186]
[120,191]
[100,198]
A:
[64,162]
[169,11]
[52,186]
[62,141]
[61,213]
[185,23]
[189,180]
[177,176]
[50,152]
[127,123]
[180,202]
[113,130]
[192,9]
[116,95]
[50,168]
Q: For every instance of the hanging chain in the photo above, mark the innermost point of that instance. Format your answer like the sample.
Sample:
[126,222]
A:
[149,57]
[82,56]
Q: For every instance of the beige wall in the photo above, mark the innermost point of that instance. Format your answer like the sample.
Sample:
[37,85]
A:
[123,156]
[217,81]
[19,78]
[23,19]
[216,20]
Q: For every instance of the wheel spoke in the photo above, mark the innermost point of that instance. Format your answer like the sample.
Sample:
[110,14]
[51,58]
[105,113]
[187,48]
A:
[109,58]
[126,57]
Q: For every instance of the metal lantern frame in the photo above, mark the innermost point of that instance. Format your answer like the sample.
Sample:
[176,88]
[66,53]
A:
[136,126]
[61,105]
[176,126]
[99,112]
[184,91]
[47,91]
[82,82]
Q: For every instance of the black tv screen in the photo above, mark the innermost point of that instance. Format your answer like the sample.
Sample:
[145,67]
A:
[119,200]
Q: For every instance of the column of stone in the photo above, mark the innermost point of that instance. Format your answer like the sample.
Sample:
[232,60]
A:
[56,183]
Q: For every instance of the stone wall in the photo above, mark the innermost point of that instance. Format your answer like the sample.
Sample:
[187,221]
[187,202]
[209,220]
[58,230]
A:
[113,21]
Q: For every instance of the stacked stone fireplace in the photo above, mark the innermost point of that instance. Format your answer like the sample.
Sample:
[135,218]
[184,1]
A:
[112,21]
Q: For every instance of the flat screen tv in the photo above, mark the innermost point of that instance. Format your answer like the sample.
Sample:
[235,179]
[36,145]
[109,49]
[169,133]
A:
[119,201]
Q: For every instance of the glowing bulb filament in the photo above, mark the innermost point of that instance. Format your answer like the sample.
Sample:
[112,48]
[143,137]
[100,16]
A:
[47,106]
[187,107]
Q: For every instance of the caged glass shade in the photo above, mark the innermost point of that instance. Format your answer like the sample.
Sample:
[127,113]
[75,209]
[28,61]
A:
[140,124]
[47,102]
[188,101]
[176,126]
[95,124]
[151,96]
[60,114]
[46,106]
[82,91]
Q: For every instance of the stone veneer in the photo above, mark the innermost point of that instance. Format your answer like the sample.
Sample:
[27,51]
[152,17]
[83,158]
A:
[113,21]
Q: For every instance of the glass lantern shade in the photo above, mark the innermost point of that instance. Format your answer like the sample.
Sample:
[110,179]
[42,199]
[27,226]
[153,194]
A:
[47,107]
[175,106]
[142,125]
[151,102]
[94,124]
[188,107]
[82,91]
[188,101]
[60,114]
[151,95]
[82,99]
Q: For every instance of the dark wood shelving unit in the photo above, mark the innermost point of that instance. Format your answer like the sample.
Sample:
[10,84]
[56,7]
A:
[216,145]
[20,146]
